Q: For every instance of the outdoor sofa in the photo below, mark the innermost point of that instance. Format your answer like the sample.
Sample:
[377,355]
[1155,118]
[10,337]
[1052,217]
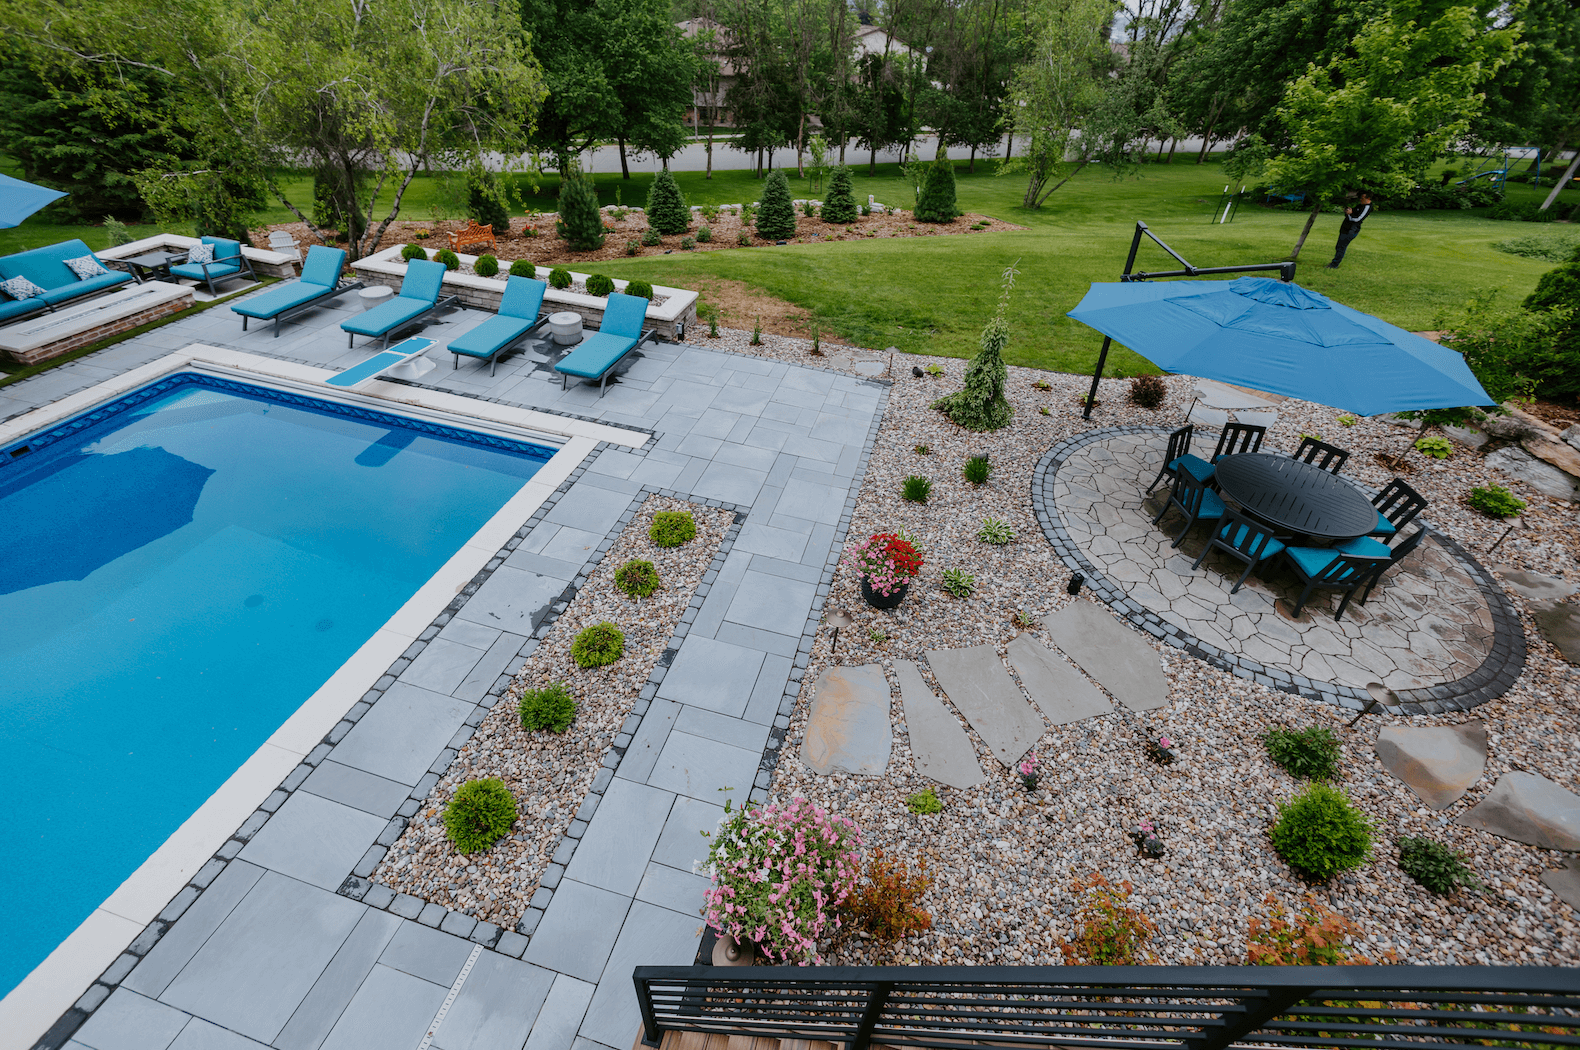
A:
[228,262]
[418,297]
[618,334]
[320,281]
[46,267]
[518,315]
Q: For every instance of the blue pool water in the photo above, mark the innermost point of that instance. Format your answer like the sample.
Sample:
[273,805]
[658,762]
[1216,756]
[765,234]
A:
[179,571]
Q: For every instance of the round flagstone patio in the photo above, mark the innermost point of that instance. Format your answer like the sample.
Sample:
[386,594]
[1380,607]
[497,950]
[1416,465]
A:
[1438,630]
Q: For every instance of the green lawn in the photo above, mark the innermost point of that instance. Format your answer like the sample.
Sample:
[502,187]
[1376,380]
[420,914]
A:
[933,294]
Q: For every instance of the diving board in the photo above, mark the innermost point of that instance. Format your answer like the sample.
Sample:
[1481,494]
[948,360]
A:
[406,353]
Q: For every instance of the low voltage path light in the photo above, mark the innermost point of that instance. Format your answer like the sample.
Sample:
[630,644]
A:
[837,619]
[1379,694]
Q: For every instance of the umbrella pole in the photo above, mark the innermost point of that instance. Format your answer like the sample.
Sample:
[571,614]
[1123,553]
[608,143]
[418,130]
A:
[1102,359]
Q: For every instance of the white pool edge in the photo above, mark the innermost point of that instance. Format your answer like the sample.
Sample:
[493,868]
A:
[27,1012]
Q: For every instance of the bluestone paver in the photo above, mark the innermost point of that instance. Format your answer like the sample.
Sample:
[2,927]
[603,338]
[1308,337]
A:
[771,603]
[391,1009]
[1439,763]
[713,674]
[769,690]
[427,953]
[314,839]
[496,1006]
[400,735]
[513,600]
[201,1035]
[848,728]
[682,844]
[613,851]
[648,742]
[589,509]
[1527,807]
[940,747]
[772,541]
[1110,652]
[705,769]
[652,936]
[356,788]
[578,931]
[673,889]
[176,948]
[738,732]
[442,666]
[977,683]
[312,1022]
[1054,684]
[561,1014]
[128,1021]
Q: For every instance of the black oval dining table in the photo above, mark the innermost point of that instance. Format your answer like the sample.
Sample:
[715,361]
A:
[1297,496]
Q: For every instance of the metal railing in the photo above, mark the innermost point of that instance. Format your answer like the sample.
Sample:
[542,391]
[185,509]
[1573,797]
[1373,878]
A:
[1121,1007]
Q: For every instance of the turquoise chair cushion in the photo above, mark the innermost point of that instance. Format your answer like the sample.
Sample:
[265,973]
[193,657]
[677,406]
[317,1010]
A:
[224,248]
[624,315]
[323,265]
[1312,560]
[389,316]
[523,298]
[1384,526]
[278,300]
[46,267]
[1364,547]
[1199,468]
[1211,505]
[195,272]
[493,334]
[1272,548]
[20,307]
[424,279]
[596,354]
[103,282]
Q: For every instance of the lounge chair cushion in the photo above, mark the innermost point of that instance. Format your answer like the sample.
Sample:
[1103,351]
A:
[388,316]
[197,273]
[424,279]
[1364,547]
[624,315]
[1199,468]
[597,354]
[523,298]
[278,300]
[324,265]
[492,335]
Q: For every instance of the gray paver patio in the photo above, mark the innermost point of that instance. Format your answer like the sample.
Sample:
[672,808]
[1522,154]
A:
[977,683]
[1054,684]
[941,749]
[1110,652]
[848,727]
[298,966]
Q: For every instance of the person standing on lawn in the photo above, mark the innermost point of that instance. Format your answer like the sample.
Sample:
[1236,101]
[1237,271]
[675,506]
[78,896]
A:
[1350,228]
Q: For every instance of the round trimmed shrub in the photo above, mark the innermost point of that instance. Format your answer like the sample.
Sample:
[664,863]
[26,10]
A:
[485,266]
[602,643]
[552,708]
[641,288]
[451,260]
[1320,832]
[598,284]
[704,235]
[687,244]
[413,251]
[671,528]
[650,238]
[523,268]
[637,578]
[481,813]
[666,205]
[559,277]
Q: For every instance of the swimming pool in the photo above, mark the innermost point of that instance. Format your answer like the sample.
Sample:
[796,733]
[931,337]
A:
[179,570]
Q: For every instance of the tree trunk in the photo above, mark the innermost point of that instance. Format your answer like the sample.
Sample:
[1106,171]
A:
[1206,145]
[759,162]
[842,151]
[1009,149]
[872,165]
[710,149]
[972,167]
[1311,220]
[625,170]
[1078,168]
[1172,144]
[1557,188]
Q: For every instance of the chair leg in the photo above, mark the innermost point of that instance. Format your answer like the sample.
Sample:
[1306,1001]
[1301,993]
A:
[1301,604]
[243,322]
[1345,604]
[1161,475]
[493,363]
[1202,556]
[1162,512]
[350,339]
[1189,521]
[1244,575]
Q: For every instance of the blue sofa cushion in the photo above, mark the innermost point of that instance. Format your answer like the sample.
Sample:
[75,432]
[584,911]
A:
[45,267]
[88,287]
[215,271]
[389,316]
[19,308]
[596,355]
[493,334]
[224,248]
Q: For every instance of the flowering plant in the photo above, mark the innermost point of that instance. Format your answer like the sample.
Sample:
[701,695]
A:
[887,560]
[780,873]
[1028,772]
[1161,750]
[1146,839]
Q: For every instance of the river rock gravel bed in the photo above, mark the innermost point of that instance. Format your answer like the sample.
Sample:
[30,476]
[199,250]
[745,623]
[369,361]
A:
[550,774]
[1003,859]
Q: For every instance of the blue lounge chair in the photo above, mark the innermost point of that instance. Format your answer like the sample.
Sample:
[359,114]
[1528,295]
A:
[320,281]
[419,296]
[618,334]
[518,315]
[228,262]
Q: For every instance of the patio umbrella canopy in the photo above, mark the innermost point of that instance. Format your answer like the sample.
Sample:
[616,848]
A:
[20,199]
[1284,339]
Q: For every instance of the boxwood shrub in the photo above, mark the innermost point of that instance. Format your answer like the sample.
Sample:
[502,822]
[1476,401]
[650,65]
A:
[485,266]
[641,288]
[637,578]
[481,813]
[671,528]
[598,284]
[451,260]
[413,251]
[553,708]
[1320,832]
[560,277]
[602,643]
[523,268]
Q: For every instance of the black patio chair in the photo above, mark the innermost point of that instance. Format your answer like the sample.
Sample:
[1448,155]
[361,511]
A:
[1329,457]
[1240,537]
[1179,455]
[1236,438]
[1331,569]
[1367,547]
[1194,499]
[1397,505]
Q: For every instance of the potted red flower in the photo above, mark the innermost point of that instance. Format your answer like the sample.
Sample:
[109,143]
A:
[886,562]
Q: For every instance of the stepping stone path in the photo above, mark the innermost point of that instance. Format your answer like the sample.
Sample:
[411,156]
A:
[1438,763]
[1054,683]
[1113,654]
[848,728]
[943,751]
[1560,624]
[976,681]
[1529,808]
[1535,585]
[1565,882]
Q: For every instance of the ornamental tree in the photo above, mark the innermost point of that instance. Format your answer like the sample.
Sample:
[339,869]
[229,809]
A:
[981,405]
[666,205]
[776,216]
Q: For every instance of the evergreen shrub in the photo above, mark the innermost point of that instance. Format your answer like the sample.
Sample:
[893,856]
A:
[1320,832]
[413,251]
[671,528]
[481,813]
[451,260]
[637,578]
[666,205]
[559,277]
[1311,753]
[650,238]
[840,207]
[579,223]
[602,643]
[641,288]
[776,215]
[598,284]
[937,202]
[485,266]
[1434,866]
[524,268]
[552,708]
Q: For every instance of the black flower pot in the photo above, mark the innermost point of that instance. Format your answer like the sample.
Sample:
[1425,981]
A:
[880,601]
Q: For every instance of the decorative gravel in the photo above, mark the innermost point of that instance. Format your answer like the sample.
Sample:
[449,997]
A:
[550,774]
[1004,859]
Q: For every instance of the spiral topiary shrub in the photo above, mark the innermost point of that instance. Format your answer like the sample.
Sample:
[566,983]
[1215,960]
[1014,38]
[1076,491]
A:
[601,644]
[776,216]
[1320,832]
[641,288]
[413,251]
[559,277]
[523,268]
[598,284]
[666,205]
[451,260]
[637,578]
[481,813]
[485,266]
[552,708]
[671,528]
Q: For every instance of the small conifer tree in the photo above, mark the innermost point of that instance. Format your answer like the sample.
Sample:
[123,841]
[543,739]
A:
[666,205]
[937,203]
[841,203]
[776,217]
[579,223]
[981,405]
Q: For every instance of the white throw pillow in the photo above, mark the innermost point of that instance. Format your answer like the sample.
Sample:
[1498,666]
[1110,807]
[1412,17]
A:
[20,288]
[201,253]
[86,267]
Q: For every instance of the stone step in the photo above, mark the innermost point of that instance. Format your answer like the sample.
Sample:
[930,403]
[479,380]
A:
[1110,652]
[1565,882]
[1529,808]
[1438,763]
[1054,683]
[940,746]
[848,728]
[978,684]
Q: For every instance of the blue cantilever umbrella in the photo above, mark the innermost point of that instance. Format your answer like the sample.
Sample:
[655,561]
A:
[20,199]
[1284,339]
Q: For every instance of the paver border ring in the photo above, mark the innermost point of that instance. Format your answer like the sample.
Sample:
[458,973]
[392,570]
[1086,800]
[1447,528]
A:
[1497,673]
